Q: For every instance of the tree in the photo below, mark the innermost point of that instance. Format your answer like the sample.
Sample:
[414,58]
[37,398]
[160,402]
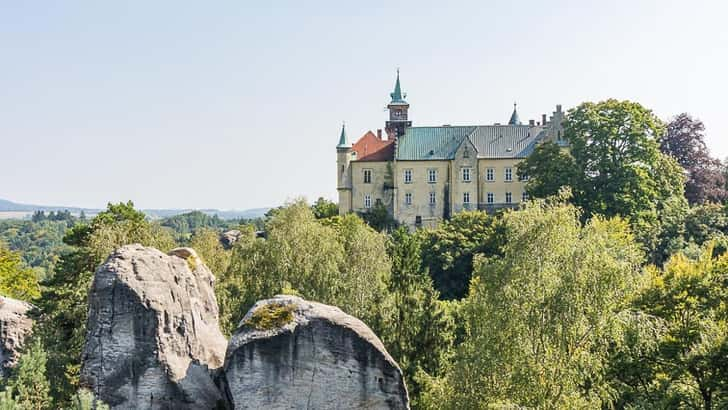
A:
[620,170]
[62,326]
[419,331]
[84,400]
[379,218]
[16,281]
[688,367]
[338,261]
[448,250]
[28,383]
[206,242]
[540,320]
[685,141]
[547,170]
[324,208]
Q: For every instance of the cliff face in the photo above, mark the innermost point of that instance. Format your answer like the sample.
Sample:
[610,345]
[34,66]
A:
[15,326]
[291,353]
[153,334]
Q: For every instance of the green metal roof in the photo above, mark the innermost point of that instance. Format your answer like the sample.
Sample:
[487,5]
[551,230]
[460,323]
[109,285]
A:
[490,141]
[397,96]
[343,140]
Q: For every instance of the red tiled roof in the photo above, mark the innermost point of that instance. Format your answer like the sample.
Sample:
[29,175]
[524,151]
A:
[371,148]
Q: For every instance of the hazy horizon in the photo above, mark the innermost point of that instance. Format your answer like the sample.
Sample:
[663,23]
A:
[232,105]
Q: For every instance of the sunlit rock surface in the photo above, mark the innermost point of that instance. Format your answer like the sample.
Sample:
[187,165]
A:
[289,353]
[153,335]
[15,326]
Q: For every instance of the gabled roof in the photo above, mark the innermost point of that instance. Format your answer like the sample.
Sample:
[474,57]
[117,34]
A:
[371,148]
[491,141]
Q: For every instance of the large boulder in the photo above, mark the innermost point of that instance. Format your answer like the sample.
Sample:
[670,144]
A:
[228,238]
[289,353]
[15,326]
[153,338]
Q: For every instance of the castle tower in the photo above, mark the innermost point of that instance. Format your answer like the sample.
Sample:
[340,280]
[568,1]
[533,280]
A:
[344,155]
[398,108]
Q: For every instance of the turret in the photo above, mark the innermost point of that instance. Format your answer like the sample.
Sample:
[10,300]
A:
[398,108]
[344,156]
[514,117]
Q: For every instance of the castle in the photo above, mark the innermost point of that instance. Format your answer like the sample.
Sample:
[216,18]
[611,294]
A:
[422,175]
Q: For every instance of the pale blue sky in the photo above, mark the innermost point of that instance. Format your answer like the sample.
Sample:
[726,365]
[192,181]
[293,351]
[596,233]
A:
[234,104]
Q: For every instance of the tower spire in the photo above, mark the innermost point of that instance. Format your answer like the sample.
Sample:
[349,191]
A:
[514,117]
[397,96]
[343,140]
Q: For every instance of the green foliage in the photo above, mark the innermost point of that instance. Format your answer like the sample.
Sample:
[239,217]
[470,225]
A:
[548,168]
[341,262]
[379,218]
[64,299]
[187,224]
[449,250]
[324,208]
[84,400]
[418,331]
[206,242]
[40,241]
[687,367]
[540,320]
[619,167]
[28,387]
[16,281]
[270,316]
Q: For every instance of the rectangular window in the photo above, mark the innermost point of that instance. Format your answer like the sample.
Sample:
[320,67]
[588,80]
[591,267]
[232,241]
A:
[418,221]
[523,177]
[524,197]
[407,176]
[408,198]
[490,174]
[490,197]
[367,201]
[432,176]
[367,176]
[466,174]
[509,174]
[466,197]
[509,198]
[433,198]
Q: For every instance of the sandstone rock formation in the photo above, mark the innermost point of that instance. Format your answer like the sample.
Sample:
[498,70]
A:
[289,353]
[15,326]
[153,334]
[228,238]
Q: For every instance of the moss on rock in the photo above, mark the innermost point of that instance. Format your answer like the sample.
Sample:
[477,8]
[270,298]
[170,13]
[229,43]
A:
[271,316]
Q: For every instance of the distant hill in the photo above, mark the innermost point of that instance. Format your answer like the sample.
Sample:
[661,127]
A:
[18,209]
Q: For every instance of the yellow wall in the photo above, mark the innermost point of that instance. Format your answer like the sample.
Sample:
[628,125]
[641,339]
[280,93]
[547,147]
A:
[499,186]
[420,188]
[375,188]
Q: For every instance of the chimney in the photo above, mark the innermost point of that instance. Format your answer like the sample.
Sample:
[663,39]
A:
[558,107]
[543,119]
[531,123]
[379,133]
